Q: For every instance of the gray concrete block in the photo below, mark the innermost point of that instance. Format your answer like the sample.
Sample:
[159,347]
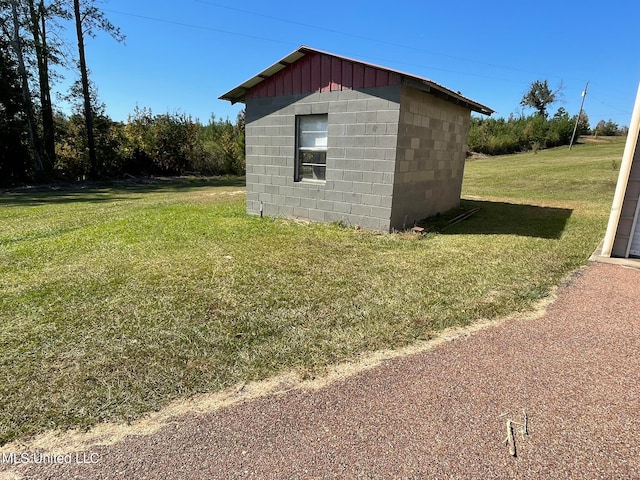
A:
[342,186]
[265,197]
[271,130]
[333,216]
[278,162]
[353,176]
[358,105]
[337,152]
[392,128]
[285,211]
[333,173]
[272,151]
[352,198]
[252,177]
[287,191]
[381,212]
[386,201]
[336,130]
[272,189]
[325,205]
[320,107]
[342,207]
[343,141]
[300,212]
[363,210]
[355,129]
[333,196]
[374,153]
[364,165]
[348,95]
[347,118]
[317,193]
[376,128]
[383,166]
[286,131]
[388,116]
[386,141]
[287,151]
[382,189]
[354,152]
[371,223]
[308,202]
[316,215]
[337,107]
[287,171]
[265,179]
[366,141]
[366,116]
[385,98]
[272,169]
[372,200]
[372,177]
[292,201]
[361,187]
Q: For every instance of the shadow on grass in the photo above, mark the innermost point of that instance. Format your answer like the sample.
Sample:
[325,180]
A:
[499,218]
[109,191]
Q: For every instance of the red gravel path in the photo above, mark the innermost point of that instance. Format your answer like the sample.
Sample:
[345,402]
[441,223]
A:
[438,414]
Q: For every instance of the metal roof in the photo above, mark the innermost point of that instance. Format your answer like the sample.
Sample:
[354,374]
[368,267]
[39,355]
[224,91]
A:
[238,93]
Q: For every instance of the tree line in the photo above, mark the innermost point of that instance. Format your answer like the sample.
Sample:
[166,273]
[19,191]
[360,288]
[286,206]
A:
[39,143]
[518,133]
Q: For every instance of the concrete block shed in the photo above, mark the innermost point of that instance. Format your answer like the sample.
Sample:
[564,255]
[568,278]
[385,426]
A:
[622,239]
[330,139]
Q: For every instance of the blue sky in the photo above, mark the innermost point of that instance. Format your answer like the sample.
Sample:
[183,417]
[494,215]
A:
[181,56]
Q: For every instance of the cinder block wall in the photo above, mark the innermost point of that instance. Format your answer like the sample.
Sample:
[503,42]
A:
[432,144]
[361,153]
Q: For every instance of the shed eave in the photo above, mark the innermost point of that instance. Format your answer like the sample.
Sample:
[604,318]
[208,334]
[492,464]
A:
[238,94]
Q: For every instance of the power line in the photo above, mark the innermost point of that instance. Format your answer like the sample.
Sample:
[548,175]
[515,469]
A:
[366,38]
[200,27]
[355,55]
[261,38]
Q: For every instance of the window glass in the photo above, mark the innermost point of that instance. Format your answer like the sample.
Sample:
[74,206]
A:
[311,161]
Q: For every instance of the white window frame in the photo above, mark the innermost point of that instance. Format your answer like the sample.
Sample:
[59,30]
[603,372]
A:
[320,139]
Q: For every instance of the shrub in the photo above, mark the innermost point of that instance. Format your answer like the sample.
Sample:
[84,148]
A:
[499,136]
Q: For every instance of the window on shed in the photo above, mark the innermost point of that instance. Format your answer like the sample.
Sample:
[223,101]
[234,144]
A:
[311,161]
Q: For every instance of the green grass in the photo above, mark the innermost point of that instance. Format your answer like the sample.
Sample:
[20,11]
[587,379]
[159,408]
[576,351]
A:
[116,300]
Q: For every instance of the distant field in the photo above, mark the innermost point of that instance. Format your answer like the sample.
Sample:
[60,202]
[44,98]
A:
[117,300]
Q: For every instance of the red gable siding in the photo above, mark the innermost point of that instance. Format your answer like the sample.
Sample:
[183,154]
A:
[316,72]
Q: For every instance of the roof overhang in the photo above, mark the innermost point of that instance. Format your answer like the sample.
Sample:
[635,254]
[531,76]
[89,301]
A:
[238,94]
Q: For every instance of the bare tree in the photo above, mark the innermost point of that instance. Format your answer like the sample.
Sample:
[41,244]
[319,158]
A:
[17,45]
[89,19]
[38,17]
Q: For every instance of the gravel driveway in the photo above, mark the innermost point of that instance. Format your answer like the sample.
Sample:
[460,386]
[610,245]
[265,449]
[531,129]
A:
[438,414]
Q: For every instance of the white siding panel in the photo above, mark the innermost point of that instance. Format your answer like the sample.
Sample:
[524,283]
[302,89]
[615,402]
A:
[634,251]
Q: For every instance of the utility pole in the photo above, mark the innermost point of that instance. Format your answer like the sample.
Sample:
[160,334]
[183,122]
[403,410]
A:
[575,128]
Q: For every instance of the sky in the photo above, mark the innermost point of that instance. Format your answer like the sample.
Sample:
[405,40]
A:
[180,56]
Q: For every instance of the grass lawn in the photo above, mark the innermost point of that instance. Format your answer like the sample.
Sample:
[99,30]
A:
[117,300]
